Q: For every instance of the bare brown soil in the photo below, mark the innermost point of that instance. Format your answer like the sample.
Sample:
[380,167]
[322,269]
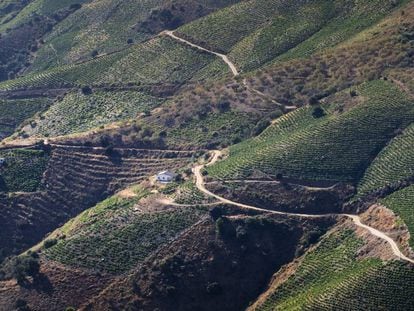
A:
[198,271]
[76,178]
[57,288]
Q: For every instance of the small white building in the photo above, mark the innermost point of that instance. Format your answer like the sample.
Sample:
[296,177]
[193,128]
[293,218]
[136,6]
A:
[2,161]
[166,176]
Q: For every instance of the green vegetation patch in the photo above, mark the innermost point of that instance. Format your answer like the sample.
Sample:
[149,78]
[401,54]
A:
[100,27]
[214,129]
[283,32]
[77,112]
[114,236]
[256,32]
[15,111]
[393,164]
[9,8]
[223,29]
[402,203]
[106,26]
[336,145]
[331,277]
[349,18]
[188,193]
[22,170]
[160,60]
[37,7]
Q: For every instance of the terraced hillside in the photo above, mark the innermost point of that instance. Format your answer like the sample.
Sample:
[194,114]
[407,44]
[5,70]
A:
[256,32]
[401,203]
[263,95]
[116,235]
[68,31]
[395,163]
[76,178]
[324,143]
[333,277]
[23,26]
[278,85]
[290,125]
[91,111]
[160,60]
[16,111]
[25,9]
[137,76]
[106,26]
[22,170]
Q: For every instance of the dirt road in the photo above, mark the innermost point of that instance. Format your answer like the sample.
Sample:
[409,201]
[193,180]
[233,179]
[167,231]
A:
[229,63]
[200,183]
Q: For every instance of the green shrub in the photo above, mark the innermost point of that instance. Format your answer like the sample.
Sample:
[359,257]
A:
[25,266]
[318,112]
[49,243]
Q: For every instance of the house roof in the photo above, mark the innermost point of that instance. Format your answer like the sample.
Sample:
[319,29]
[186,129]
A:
[168,173]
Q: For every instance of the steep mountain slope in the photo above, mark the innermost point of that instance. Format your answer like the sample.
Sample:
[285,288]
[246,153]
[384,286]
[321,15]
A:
[22,31]
[256,32]
[324,144]
[401,203]
[289,125]
[292,83]
[105,26]
[75,179]
[68,31]
[334,276]
[16,111]
[160,60]
[277,87]
[392,165]
[100,238]
[176,268]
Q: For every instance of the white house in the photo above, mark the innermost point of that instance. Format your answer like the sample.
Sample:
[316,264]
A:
[166,176]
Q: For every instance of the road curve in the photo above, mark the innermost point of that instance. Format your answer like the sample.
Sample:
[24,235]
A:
[381,235]
[201,186]
[355,218]
[229,63]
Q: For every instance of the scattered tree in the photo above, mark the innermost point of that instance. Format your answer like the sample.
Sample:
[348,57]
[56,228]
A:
[86,90]
[318,112]
[27,265]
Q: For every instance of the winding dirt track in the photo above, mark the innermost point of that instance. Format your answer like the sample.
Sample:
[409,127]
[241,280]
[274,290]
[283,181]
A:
[232,67]
[381,235]
[216,154]
[200,183]
[230,64]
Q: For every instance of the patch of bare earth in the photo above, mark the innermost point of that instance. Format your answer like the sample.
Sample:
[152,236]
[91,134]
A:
[384,220]
[197,271]
[57,288]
